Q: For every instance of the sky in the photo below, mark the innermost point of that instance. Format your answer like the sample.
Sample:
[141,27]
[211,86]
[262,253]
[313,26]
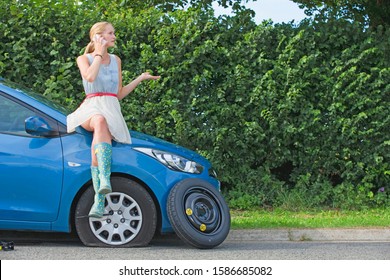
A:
[277,10]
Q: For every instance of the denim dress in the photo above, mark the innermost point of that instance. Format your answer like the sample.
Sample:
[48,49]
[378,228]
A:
[107,81]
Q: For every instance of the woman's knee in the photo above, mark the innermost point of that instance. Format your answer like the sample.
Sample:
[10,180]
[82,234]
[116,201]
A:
[98,121]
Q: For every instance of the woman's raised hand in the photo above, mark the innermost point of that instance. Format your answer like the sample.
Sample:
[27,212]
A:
[148,76]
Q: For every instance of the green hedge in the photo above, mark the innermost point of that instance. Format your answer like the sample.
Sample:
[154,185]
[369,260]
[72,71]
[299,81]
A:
[292,116]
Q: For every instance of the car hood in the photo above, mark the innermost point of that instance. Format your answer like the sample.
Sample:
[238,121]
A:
[143,140]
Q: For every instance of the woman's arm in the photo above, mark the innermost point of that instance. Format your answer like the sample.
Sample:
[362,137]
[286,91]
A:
[90,71]
[87,71]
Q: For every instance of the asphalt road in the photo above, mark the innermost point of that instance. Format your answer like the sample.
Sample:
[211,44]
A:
[229,251]
[240,245]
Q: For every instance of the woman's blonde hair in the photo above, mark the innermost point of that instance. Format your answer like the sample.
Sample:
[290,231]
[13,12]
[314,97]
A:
[97,28]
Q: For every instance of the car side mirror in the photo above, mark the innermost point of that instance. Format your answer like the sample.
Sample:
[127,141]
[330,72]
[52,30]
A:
[38,126]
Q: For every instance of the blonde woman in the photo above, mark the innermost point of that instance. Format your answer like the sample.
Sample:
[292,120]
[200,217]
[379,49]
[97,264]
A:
[100,112]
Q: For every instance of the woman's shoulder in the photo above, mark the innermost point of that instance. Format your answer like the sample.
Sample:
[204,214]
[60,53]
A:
[83,57]
[117,58]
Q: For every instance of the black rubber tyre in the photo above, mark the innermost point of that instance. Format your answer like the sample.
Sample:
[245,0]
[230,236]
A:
[129,220]
[198,213]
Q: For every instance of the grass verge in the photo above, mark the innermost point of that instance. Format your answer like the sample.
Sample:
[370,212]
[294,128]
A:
[252,219]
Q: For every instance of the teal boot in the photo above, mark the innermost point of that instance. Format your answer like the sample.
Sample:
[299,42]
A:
[97,209]
[103,153]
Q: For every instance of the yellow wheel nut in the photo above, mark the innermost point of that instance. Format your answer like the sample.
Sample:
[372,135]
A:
[203,227]
[189,211]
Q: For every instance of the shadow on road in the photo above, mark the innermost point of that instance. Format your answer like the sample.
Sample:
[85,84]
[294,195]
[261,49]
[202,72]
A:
[31,238]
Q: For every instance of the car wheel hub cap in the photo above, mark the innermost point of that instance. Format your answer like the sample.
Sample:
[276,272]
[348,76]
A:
[121,222]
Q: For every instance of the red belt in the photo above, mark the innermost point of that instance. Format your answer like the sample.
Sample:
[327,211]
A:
[89,95]
[101,94]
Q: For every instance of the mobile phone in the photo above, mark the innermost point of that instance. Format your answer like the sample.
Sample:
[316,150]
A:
[96,38]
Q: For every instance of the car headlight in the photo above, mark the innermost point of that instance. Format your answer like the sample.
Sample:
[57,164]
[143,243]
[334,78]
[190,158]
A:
[173,161]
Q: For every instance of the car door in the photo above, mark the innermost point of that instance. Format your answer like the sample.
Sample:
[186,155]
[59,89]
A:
[31,167]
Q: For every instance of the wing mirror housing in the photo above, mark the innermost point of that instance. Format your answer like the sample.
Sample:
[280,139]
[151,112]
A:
[38,126]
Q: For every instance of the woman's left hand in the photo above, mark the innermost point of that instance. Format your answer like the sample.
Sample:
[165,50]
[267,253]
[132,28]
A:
[148,76]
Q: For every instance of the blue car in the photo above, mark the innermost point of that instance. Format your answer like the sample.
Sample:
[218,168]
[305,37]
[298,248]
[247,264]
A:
[45,181]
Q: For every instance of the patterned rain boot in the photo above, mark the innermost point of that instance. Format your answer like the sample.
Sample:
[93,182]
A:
[97,209]
[103,153]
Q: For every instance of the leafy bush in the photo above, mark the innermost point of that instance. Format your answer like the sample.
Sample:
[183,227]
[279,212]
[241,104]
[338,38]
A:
[294,116]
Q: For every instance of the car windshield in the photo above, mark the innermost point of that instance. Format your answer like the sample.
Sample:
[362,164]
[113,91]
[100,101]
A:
[55,105]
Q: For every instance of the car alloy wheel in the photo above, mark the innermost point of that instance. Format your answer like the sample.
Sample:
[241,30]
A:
[130,216]
[121,222]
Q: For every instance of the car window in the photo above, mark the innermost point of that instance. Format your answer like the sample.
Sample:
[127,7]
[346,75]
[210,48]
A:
[12,116]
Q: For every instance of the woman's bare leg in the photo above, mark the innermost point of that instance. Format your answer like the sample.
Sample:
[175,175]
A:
[98,125]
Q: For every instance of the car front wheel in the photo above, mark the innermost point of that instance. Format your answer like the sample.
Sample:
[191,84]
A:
[129,219]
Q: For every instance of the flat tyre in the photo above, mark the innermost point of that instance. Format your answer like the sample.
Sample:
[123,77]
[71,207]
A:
[129,219]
